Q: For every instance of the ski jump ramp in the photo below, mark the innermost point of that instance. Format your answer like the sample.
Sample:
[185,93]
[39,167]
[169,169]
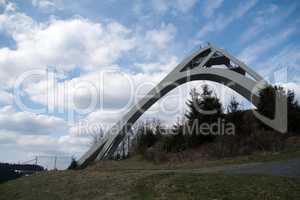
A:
[198,66]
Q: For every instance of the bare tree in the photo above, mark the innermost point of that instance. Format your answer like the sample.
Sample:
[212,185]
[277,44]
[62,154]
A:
[234,105]
[96,136]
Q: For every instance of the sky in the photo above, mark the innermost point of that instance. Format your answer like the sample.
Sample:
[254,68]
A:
[69,68]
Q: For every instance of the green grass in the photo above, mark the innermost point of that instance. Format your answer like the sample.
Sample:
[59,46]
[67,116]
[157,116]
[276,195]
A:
[215,186]
[148,185]
[124,180]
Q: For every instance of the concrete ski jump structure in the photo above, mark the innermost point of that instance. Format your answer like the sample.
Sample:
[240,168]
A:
[198,66]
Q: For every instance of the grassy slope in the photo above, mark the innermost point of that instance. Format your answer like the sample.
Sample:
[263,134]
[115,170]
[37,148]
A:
[119,183]
[150,185]
[139,163]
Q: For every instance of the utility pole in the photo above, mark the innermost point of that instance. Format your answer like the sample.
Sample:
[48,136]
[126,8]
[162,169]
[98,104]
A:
[128,145]
[55,162]
[123,149]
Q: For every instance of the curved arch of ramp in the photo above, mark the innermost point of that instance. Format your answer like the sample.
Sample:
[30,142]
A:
[198,66]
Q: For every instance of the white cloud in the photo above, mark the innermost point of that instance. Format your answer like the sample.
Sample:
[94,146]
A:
[160,38]
[29,146]
[287,58]
[2,2]
[221,21]
[185,5]
[75,42]
[112,89]
[7,137]
[164,66]
[30,123]
[210,7]
[167,109]
[156,43]
[5,97]
[265,19]
[47,145]
[8,6]
[16,24]
[162,6]
[48,5]
[252,52]
[30,135]
[254,30]
[63,44]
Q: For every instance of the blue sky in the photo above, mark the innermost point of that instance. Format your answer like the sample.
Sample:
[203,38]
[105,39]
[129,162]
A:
[117,50]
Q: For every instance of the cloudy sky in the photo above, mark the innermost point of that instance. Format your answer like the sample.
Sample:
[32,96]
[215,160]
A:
[68,67]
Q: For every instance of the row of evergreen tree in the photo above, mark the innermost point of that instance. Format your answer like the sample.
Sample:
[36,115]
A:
[205,108]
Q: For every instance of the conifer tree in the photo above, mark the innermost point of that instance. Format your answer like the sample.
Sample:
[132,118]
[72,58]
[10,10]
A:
[202,108]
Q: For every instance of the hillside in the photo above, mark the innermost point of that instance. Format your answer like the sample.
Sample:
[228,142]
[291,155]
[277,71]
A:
[13,171]
[128,180]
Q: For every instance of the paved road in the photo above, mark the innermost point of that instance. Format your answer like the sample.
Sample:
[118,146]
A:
[288,168]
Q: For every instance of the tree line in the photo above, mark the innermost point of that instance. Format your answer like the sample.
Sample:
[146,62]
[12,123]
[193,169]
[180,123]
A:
[225,132]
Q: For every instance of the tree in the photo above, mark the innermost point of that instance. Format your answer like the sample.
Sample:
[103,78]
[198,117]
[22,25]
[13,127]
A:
[266,105]
[234,115]
[293,113]
[177,141]
[73,164]
[234,105]
[200,104]
[202,108]
[147,134]
[193,104]
[96,137]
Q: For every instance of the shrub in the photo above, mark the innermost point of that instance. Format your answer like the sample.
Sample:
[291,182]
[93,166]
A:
[174,143]
[260,140]
[155,154]
[73,164]
[145,140]
[268,141]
